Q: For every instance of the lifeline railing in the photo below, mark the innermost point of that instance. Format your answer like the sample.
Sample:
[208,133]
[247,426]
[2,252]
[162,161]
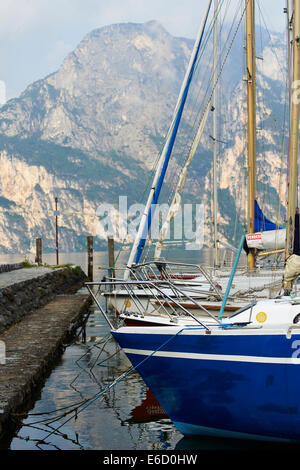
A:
[156,291]
[185,272]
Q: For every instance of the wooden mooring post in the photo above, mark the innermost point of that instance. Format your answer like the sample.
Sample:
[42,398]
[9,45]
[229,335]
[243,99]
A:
[56,213]
[38,251]
[90,246]
[111,256]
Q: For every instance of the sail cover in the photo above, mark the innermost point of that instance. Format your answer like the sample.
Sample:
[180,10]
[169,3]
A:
[267,236]
[261,223]
[269,240]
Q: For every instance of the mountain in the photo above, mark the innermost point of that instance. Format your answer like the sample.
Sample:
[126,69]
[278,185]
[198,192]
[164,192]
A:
[91,132]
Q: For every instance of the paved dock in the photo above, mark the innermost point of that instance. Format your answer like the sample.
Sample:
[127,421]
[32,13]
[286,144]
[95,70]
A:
[20,275]
[33,344]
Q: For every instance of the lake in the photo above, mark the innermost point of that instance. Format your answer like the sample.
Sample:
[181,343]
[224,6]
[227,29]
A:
[125,417]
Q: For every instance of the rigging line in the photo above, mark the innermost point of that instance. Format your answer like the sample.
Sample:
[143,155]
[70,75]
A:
[271,41]
[221,69]
[264,111]
[208,34]
[285,101]
[204,47]
[73,405]
[275,54]
[244,156]
[209,79]
[289,129]
[274,121]
[227,54]
[145,225]
[231,44]
[285,120]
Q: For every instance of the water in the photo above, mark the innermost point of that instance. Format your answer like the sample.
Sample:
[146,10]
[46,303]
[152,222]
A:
[108,422]
[125,417]
[179,255]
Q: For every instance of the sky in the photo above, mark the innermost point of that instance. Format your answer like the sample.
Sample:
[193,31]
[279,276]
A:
[36,35]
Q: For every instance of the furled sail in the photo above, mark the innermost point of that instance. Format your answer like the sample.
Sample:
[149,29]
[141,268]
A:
[291,272]
[292,265]
[261,223]
[269,240]
[267,236]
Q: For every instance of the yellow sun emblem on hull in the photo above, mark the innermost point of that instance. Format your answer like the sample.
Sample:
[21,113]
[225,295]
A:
[261,317]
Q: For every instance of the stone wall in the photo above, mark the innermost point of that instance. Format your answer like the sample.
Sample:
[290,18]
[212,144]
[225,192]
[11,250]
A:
[4,268]
[21,298]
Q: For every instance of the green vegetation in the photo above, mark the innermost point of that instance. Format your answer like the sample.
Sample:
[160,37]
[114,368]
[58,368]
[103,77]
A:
[69,266]
[26,264]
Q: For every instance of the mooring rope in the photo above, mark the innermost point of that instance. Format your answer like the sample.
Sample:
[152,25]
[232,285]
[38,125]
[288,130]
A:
[81,406]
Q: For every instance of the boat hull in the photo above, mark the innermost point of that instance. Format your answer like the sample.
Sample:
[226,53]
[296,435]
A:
[231,385]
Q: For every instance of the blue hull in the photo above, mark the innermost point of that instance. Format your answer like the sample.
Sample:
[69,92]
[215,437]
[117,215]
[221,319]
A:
[221,385]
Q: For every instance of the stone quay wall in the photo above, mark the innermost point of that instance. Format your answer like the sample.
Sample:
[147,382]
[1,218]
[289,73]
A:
[21,298]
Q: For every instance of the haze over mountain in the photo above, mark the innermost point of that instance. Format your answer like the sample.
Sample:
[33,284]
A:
[92,130]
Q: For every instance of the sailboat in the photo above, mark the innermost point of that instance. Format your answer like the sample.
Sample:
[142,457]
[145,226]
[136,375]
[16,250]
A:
[201,286]
[239,377]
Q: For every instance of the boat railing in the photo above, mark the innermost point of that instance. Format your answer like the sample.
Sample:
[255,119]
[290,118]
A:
[148,292]
[156,291]
[169,269]
[176,272]
[152,294]
[113,288]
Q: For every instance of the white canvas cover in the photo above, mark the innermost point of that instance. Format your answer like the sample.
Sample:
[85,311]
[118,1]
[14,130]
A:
[291,271]
[270,240]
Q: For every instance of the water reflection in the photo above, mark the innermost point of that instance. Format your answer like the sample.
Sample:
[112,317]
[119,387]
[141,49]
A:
[89,364]
[149,410]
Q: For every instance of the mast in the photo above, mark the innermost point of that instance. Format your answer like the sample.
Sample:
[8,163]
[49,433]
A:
[215,132]
[294,137]
[145,223]
[290,20]
[251,87]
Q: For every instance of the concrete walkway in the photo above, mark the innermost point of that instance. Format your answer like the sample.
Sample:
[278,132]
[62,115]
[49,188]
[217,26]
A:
[20,275]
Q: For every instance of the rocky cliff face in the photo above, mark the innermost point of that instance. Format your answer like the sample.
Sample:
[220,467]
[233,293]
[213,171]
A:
[115,91]
[92,131]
